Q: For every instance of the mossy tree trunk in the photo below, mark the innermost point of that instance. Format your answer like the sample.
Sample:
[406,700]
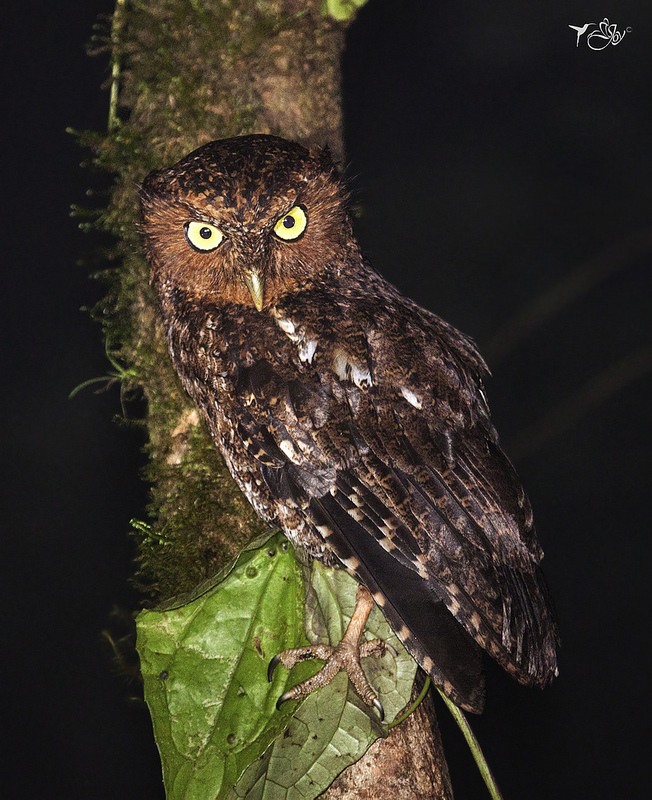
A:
[187,72]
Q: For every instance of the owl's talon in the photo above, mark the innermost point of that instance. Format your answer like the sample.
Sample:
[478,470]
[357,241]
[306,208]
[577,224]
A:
[346,656]
[272,666]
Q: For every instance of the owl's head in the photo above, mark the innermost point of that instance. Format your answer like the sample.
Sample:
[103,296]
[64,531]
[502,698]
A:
[245,220]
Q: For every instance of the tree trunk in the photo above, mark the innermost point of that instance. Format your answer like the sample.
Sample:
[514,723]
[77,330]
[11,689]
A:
[186,72]
[409,764]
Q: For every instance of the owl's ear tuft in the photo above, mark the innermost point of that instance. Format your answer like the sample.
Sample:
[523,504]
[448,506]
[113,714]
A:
[325,160]
[151,182]
[150,190]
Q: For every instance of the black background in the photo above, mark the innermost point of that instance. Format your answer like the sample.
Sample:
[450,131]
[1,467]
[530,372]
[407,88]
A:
[492,159]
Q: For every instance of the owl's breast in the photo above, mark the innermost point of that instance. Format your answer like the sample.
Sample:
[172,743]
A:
[261,408]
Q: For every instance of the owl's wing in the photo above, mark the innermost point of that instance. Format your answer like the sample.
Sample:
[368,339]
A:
[463,526]
[417,502]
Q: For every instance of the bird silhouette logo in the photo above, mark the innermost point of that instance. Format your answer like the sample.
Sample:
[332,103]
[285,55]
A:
[604,34]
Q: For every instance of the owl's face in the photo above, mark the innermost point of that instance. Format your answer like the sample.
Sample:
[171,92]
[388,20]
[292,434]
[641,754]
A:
[244,220]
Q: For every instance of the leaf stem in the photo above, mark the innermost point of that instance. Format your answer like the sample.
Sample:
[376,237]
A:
[414,705]
[474,746]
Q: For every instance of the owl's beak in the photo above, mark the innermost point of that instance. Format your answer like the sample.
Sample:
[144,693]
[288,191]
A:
[256,286]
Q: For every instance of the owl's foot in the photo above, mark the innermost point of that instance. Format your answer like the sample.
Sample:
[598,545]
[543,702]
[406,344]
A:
[345,656]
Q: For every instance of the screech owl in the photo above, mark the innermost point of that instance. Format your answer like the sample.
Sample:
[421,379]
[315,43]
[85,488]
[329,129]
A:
[349,416]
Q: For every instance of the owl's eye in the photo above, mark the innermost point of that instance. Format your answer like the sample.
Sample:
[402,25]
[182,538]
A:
[202,236]
[292,225]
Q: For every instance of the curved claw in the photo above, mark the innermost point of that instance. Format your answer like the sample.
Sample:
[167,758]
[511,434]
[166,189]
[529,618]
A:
[379,708]
[285,696]
[272,666]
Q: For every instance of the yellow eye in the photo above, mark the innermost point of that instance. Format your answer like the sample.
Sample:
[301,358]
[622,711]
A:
[292,225]
[202,236]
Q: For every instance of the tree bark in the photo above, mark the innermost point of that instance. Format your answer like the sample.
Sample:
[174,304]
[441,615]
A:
[409,764]
[187,72]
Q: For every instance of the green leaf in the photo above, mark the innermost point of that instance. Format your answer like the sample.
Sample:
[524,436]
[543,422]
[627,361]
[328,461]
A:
[204,662]
[333,728]
[341,10]
[204,667]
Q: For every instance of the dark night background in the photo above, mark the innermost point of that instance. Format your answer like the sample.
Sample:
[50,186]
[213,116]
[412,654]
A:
[497,165]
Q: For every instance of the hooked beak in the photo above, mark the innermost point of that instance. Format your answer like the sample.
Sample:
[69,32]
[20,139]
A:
[256,286]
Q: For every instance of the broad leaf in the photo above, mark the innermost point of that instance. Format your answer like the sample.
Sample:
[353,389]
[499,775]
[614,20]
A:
[204,666]
[333,728]
[204,661]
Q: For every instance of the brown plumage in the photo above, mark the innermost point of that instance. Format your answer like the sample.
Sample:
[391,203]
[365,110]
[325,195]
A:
[349,416]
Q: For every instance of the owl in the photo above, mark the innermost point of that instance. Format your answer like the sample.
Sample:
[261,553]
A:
[352,418]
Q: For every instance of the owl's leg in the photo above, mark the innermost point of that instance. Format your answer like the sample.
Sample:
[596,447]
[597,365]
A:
[346,655]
